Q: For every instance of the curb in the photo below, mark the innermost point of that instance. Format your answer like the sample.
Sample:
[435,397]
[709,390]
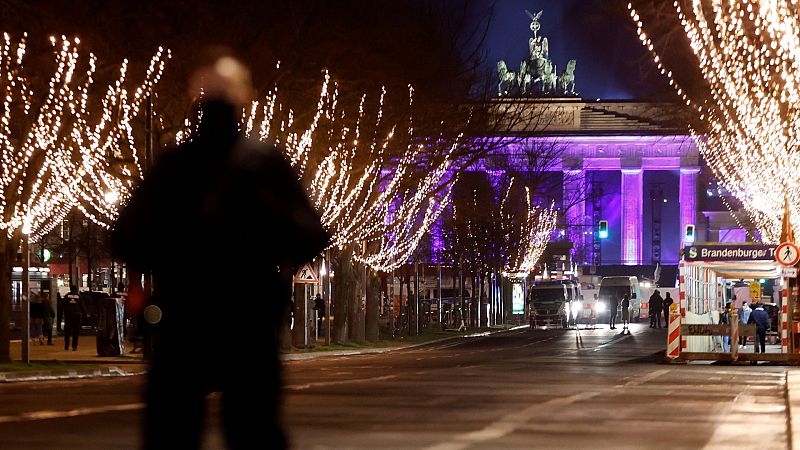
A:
[315,355]
[49,375]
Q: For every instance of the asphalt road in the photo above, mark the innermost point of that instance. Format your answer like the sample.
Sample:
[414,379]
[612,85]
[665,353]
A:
[520,389]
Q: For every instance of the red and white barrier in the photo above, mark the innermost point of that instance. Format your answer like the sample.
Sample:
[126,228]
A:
[681,300]
[785,318]
[674,342]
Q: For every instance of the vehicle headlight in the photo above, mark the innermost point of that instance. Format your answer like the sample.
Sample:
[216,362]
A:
[576,308]
[600,307]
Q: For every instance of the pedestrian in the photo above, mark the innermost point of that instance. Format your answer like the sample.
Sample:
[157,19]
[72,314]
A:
[656,306]
[73,315]
[613,304]
[744,318]
[760,317]
[319,307]
[244,202]
[49,316]
[667,303]
[724,319]
[37,319]
[626,313]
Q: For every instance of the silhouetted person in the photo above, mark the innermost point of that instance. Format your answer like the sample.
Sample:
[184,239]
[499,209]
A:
[656,307]
[613,304]
[626,313]
[760,317]
[319,307]
[667,302]
[208,208]
[73,315]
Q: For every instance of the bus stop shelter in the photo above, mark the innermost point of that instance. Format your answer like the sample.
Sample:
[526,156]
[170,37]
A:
[713,275]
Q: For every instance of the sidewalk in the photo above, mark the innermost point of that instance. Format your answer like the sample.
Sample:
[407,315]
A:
[67,364]
[134,363]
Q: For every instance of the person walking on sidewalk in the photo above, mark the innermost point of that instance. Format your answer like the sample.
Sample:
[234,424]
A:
[73,314]
[744,317]
[761,319]
[37,319]
[49,315]
[244,202]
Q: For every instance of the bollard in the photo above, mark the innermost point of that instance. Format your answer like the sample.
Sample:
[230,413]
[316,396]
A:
[674,332]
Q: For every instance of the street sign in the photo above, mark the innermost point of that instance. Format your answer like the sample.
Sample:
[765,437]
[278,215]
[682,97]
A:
[789,272]
[755,290]
[787,254]
[306,274]
[729,252]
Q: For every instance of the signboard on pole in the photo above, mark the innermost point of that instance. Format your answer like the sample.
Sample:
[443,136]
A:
[789,272]
[306,274]
[729,252]
[755,291]
[787,254]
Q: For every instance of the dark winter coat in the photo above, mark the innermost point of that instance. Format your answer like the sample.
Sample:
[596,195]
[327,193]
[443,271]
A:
[656,303]
[760,318]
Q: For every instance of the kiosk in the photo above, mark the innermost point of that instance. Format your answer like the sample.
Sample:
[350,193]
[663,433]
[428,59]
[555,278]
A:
[713,275]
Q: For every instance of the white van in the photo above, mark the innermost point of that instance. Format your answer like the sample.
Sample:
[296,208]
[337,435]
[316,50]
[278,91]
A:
[618,287]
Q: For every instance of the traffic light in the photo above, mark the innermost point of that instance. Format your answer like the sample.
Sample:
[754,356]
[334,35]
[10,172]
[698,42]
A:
[689,234]
[602,229]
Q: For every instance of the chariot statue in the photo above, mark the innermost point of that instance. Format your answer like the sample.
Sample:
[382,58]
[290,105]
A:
[537,75]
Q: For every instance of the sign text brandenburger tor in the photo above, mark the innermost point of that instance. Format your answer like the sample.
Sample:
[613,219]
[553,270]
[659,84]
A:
[741,252]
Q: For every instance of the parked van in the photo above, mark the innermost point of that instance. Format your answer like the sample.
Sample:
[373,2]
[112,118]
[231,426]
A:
[549,304]
[618,287]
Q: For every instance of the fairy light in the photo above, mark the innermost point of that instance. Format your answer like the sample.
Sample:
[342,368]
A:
[59,157]
[360,173]
[749,55]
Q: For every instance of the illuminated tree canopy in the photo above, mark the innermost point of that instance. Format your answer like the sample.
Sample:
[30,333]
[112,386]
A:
[749,55]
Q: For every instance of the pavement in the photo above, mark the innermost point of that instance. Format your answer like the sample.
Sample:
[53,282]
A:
[133,363]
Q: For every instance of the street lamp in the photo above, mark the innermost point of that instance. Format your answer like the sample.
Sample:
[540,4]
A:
[26,292]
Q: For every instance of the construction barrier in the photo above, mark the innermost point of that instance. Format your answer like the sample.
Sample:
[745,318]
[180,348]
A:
[674,332]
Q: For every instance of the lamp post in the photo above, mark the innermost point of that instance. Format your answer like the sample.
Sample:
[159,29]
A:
[26,292]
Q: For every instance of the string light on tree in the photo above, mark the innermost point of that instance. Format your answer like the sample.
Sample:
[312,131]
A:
[748,52]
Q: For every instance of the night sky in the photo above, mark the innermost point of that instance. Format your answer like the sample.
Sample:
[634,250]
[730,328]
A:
[611,62]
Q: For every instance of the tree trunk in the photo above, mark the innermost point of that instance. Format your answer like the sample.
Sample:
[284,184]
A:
[8,253]
[343,293]
[357,311]
[409,306]
[373,306]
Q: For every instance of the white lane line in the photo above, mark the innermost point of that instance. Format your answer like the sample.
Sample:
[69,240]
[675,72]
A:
[300,387]
[45,415]
[508,424]
[647,378]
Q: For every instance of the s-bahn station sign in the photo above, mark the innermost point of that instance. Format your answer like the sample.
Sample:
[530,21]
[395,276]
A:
[730,252]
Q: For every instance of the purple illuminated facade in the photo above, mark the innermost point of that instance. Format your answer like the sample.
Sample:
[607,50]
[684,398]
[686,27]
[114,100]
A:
[621,162]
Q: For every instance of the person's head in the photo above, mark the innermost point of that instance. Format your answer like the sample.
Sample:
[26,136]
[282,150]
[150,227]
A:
[728,305]
[744,304]
[626,296]
[668,295]
[656,291]
[120,287]
[73,289]
[223,77]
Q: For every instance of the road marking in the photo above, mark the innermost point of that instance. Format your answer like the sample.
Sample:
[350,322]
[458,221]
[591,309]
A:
[300,387]
[646,378]
[508,424]
[46,415]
